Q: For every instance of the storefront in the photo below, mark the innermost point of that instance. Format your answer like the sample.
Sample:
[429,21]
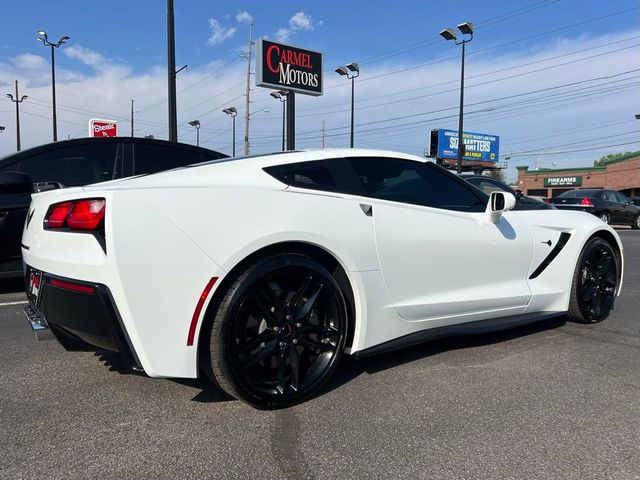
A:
[621,174]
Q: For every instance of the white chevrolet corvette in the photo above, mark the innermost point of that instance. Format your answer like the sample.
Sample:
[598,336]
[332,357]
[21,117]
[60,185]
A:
[260,272]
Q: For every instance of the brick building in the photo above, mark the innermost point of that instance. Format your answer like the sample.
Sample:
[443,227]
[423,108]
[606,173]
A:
[621,174]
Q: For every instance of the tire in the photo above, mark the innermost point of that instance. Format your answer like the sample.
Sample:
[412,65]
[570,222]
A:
[605,217]
[636,223]
[279,332]
[595,282]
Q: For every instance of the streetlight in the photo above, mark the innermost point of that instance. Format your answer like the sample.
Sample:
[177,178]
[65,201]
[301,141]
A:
[196,123]
[637,116]
[282,96]
[465,28]
[42,38]
[354,68]
[234,113]
[17,102]
[1,129]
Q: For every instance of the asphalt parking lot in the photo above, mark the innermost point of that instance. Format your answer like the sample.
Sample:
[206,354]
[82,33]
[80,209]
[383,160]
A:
[551,400]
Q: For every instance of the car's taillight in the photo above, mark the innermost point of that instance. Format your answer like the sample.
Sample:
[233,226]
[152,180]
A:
[586,202]
[83,215]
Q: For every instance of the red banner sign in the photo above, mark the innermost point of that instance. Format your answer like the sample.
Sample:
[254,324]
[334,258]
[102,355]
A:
[103,128]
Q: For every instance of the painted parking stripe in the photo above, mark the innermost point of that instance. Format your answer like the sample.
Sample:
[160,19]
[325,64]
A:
[6,304]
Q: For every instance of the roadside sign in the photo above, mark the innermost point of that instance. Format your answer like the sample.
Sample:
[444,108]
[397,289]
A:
[103,128]
[285,67]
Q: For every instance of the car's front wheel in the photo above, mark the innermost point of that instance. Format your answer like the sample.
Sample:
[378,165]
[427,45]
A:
[279,331]
[595,283]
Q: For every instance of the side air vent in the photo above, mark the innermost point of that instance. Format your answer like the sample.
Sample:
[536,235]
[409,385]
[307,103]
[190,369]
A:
[562,241]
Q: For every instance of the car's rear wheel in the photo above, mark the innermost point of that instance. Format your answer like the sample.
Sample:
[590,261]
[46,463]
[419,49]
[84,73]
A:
[594,283]
[279,331]
[636,223]
[604,216]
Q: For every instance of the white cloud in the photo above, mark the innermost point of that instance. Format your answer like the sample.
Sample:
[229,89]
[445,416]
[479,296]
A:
[301,21]
[282,35]
[85,55]
[218,33]
[29,61]
[244,17]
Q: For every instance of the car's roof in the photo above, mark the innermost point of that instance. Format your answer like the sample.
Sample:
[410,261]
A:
[90,140]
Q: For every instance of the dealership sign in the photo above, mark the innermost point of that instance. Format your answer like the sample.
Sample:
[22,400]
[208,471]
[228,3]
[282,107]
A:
[103,128]
[477,146]
[563,181]
[285,67]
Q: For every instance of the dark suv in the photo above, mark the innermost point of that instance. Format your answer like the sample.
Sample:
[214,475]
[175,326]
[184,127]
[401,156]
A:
[609,206]
[72,163]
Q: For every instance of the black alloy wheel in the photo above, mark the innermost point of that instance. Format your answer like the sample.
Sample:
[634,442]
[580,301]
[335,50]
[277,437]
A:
[279,332]
[594,283]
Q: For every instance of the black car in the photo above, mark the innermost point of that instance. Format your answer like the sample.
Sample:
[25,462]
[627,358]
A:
[608,205]
[72,163]
[488,185]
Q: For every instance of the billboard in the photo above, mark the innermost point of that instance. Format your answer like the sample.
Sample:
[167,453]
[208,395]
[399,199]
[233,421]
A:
[477,146]
[103,128]
[285,67]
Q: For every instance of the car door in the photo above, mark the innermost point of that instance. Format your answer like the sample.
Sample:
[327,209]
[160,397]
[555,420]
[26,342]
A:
[615,207]
[628,209]
[439,260]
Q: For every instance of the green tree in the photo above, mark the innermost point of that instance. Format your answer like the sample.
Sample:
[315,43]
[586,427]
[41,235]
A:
[611,156]
[498,174]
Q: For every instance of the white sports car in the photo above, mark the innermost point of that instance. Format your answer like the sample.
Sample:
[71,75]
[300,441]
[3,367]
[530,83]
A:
[261,272]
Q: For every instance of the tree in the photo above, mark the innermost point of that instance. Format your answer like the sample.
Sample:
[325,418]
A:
[498,174]
[611,156]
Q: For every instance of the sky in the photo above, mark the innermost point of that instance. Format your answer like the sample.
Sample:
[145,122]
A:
[557,80]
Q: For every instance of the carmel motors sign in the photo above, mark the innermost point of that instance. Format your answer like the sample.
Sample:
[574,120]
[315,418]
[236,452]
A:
[285,67]
[575,181]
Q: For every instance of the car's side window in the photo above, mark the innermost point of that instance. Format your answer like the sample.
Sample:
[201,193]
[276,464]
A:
[149,158]
[406,181]
[73,166]
[332,175]
[621,198]
[610,197]
[486,185]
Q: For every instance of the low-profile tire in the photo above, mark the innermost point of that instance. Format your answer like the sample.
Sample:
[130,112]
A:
[636,223]
[279,331]
[605,217]
[595,283]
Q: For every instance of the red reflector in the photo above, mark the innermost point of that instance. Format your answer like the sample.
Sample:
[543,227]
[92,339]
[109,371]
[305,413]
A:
[586,202]
[71,286]
[86,214]
[196,313]
[58,214]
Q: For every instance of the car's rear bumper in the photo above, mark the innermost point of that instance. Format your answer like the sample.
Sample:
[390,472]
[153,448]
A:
[81,315]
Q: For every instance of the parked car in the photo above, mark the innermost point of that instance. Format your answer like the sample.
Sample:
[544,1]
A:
[262,272]
[608,205]
[488,185]
[72,163]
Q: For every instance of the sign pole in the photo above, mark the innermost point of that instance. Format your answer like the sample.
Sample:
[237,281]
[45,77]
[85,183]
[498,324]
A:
[291,121]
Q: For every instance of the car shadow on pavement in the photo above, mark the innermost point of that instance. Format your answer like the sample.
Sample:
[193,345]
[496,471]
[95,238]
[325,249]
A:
[11,285]
[351,368]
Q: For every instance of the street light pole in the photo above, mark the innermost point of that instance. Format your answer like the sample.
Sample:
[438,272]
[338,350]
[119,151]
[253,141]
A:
[196,123]
[465,28]
[42,38]
[354,68]
[234,113]
[17,100]
[282,96]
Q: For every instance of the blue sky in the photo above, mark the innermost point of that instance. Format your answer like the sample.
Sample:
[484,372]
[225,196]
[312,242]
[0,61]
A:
[563,49]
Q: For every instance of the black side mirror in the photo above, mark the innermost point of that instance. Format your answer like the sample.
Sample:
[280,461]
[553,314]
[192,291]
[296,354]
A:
[519,194]
[15,182]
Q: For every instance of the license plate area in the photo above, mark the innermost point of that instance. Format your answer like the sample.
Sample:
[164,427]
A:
[34,287]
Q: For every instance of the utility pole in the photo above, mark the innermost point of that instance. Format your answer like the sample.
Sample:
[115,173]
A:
[171,71]
[322,144]
[131,118]
[247,92]
[17,100]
